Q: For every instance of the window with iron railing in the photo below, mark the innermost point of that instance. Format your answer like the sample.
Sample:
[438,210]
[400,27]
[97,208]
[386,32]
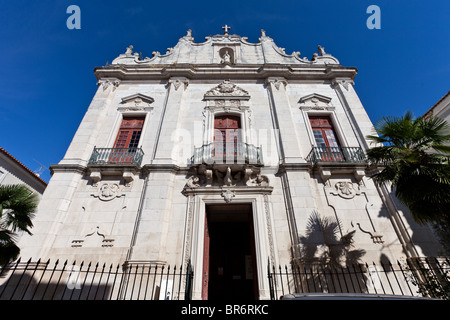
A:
[125,150]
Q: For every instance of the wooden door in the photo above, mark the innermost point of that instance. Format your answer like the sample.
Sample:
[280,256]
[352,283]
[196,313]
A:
[205,277]
[326,140]
[227,136]
[127,139]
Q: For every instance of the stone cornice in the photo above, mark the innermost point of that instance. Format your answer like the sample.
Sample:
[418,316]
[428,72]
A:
[238,190]
[193,72]
[67,168]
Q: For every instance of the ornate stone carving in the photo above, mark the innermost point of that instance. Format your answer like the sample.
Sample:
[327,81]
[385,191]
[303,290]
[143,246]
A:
[136,102]
[226,57]
[193,182]
[108,191]
[91,239]
[227,177]
[375,236]
[177,83]
[277,83]
[315,101]
[323,58]
[226,88]
[228,195]
[189,222]
[269,228]
[259,180]
[345,190]
[188,37]
[129,50]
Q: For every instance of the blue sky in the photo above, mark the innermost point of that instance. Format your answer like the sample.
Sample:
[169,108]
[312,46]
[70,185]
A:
[47,79]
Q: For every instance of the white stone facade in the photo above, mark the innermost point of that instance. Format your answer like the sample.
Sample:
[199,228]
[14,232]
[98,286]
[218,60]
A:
[154,210]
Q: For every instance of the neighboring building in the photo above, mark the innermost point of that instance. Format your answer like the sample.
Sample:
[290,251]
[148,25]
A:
[226,155]
[12,171]
[441,108]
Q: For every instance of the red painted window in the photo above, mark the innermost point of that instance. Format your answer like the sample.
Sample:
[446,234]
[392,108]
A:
[127,139]
[129,133]
[226,135]
[325,137]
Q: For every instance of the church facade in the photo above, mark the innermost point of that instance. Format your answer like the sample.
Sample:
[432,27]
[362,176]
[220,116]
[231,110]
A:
[226,155]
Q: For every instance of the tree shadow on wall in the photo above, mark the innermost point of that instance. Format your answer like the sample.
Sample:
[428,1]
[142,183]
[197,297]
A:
[329,261]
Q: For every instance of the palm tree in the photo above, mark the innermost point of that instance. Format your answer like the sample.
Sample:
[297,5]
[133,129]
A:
[412,155]
[17,205]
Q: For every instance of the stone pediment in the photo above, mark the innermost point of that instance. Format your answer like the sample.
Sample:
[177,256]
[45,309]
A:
[227,90]
[315,101]
[186,51]
[136,102]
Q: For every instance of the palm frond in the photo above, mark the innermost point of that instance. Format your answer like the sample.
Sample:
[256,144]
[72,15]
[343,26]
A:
[18,205]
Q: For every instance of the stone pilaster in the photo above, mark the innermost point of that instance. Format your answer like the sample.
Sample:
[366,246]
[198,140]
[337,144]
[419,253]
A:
[172,114]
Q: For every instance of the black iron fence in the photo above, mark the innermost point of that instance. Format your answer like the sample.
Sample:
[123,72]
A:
[427,277]
[64,281]
[424,277]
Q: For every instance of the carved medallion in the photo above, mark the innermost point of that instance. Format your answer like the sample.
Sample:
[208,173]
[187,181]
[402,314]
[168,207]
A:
[345,190]
[108,191]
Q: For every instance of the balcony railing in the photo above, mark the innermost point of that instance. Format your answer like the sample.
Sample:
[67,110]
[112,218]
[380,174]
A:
[336,154]
[228,152]
[116,156]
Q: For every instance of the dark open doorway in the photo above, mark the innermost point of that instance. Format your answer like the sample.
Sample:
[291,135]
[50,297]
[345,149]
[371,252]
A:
[230,263]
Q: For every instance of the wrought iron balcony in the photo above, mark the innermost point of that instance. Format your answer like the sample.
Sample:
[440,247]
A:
[228,152]
[336,154]
[116,156]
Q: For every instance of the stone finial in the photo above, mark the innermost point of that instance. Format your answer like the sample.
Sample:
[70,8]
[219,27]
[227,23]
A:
[321,50]
[129,50]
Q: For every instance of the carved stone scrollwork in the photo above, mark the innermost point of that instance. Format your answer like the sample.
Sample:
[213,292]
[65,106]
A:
[375,236]
[345,190]
[177,83]
[277,83]
[108,191]
[92,239]
[227,177]
[227,88]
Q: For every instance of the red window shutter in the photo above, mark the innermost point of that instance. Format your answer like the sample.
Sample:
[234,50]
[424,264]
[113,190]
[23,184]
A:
[127,140]
[326,139]
[323,130]
[129,133]
[226,134]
